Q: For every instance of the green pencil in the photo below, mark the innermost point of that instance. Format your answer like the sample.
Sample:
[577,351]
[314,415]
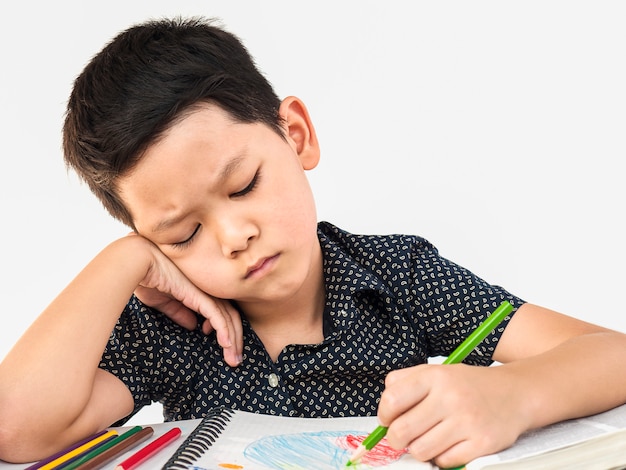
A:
[90,455]
[460,353]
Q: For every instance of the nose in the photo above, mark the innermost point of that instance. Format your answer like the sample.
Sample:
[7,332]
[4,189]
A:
[234,233]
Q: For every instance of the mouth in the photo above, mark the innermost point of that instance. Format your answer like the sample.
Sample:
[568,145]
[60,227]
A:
[260,267]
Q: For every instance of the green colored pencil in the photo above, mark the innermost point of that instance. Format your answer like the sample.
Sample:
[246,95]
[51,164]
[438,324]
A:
[100,450]
[460,353]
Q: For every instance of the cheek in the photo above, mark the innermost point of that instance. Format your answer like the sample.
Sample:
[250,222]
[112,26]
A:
[295,206]
[295,221]
[202,272]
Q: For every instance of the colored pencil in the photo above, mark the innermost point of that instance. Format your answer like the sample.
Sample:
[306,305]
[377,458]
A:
[58,462]
[74,458]
[148,451]
[49,459]
[460,353]
[99,457]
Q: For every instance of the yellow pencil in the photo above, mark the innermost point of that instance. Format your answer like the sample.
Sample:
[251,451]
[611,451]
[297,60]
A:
[79,450]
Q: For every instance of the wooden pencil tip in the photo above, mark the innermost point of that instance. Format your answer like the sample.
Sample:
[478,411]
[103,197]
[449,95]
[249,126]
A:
[356,455]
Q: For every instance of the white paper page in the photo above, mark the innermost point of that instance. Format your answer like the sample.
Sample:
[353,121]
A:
[261,442]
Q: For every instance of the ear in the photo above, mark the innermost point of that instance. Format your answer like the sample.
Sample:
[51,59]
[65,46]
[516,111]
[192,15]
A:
[299,131]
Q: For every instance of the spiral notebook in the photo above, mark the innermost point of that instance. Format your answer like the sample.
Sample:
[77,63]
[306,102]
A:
[228,439]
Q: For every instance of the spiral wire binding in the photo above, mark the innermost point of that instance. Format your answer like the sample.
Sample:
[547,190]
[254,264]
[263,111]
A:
[200,439]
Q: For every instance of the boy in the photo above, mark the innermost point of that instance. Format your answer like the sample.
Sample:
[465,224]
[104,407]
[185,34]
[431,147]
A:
[238,297]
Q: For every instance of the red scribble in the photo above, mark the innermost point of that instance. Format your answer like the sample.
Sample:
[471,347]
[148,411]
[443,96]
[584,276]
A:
[382,454]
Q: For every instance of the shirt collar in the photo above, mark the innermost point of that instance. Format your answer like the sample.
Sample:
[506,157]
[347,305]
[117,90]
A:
[344,275]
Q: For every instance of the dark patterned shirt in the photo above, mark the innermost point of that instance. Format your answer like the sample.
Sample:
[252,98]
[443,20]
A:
[391,302]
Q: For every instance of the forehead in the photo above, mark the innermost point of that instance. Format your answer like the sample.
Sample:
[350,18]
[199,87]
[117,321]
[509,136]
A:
[199,120]
[199,152]
[205,143]
[205,128]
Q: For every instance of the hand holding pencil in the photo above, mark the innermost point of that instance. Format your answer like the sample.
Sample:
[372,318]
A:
[460,353]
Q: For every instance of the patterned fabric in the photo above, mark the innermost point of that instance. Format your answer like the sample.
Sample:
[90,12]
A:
[391,302]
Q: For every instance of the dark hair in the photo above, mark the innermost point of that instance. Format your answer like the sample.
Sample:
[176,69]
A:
[145,79]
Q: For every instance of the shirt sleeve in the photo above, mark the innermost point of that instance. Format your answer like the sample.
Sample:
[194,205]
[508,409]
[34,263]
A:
[451,302]
[149,354]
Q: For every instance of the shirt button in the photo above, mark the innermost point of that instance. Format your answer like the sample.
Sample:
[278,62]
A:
[273,380]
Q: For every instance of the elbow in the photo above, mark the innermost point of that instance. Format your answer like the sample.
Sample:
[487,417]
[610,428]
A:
[14,444]
[21,445]
[9,435]
[20,430]
[7,449]
[21,440]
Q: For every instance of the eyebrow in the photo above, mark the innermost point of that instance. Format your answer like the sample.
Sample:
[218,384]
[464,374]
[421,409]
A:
[230,168]
[167,223]
[223,175]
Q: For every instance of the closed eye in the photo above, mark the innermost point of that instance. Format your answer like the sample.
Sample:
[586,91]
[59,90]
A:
[248,189]
[187,241]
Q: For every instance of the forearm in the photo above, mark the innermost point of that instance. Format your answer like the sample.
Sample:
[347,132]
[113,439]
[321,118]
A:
[48,377]
[576,378]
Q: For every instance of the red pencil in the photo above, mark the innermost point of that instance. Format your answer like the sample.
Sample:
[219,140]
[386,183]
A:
[148,451]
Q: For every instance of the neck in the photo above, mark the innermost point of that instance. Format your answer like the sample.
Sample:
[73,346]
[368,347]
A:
[296,320]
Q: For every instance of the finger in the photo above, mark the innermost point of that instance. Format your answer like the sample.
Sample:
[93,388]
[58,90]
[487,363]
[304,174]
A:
[415,423]
[172,308]
[235,352]
[180,314]
[455,456]
[404,389]
[168,306]
[217,320]
[225,320]
[465,442]
[436,441]
[206,327]
[233,355]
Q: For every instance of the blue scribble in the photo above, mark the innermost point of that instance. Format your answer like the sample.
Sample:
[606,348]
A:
[194,467]
[301,451]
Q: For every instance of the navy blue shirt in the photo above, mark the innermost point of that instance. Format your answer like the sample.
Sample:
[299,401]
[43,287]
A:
[391,302]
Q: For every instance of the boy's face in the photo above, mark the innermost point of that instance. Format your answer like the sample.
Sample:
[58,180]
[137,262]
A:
[230,205]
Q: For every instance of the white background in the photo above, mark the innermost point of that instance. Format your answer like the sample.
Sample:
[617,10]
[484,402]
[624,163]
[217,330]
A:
[494,129]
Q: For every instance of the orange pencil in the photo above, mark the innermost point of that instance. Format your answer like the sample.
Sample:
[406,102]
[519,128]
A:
[148,451]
